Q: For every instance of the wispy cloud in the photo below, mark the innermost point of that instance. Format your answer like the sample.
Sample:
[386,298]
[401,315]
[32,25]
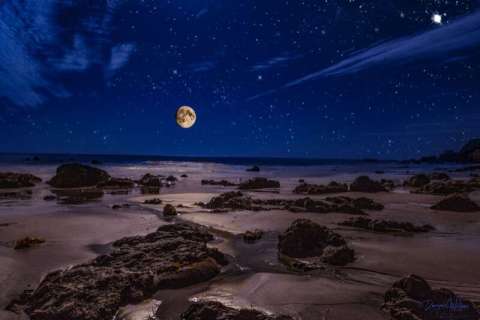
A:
[275,61]
[446,42]
[35,48]
[202,66]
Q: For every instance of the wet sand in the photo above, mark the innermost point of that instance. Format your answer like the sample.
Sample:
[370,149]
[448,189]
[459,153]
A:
[447,257]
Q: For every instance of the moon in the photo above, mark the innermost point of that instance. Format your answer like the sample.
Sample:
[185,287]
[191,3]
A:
[186,117]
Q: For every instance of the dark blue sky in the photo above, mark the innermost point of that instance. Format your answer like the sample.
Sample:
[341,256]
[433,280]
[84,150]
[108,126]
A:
[328,79]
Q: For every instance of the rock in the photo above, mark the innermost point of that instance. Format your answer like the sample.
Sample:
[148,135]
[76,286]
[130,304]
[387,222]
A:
[16,195]
[470,151]
[171,179]
[117,183]
[253,236]
[174,256]
[365,184]
[50,198]
[412,298]
[169,210]
[311,189]
[10,180]
[36,158]
[78,196]
[254,169]
[457,203]
[78,176]
[236,200]
[121,206]
[417,181]
[27,242]
[439,176]
[96,162]
[184,176]
[385,225]
[213,310]
[150,180]
[223,183]
[259,183]
[305,238]
[447,187]
[155,201]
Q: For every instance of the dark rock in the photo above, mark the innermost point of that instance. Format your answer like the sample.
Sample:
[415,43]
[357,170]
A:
[305,238]
[439,176]
[169,210]
[117,183]
[96,162]
[458,203]
[171,179]
[365,184]
[446,187]
[470,151]
[16,195]
[28,242]
[150,180]
[417,181]
[121,206]
[311,189]
[254,169]
[380,172]
[10,180]
[36,158]
[213,310]
[412,298]
[184,176]
[78,196]
[50,198]
[78,176]
[253,236]
[223,183]
[155,201]
[259,183]
[385,225]
[174,256]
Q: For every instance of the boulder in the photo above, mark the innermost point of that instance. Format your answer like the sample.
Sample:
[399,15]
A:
[253,236]
[169,210]
[50,198]
[470,151]
[458,203]
[150,180]
[412,298]
[223,183]
[312,189]
[213,310]
[78,176]
[259,183]
[365,184]
[253,169]
[11,180]
[447,187]
[305,238]
[28,242]
[117,183]
[417,181]
[385,225]
[174,256]
[155,201]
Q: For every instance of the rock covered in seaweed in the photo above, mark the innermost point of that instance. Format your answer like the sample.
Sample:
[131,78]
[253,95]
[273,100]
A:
[11,180]
[458,203]
[76,175]
[384,225]
[365,184]
[259,183]
[311,189]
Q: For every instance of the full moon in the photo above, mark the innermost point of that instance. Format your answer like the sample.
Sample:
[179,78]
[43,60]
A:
[186,117]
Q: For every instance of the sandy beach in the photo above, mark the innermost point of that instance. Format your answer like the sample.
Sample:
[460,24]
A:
[76,233]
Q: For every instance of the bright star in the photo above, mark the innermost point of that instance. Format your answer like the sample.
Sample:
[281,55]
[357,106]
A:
[437,18]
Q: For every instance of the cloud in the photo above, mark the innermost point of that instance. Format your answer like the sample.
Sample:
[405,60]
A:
[36,49]
[272,62]
[446,43]
[438,43]
[203,66]
[120,56]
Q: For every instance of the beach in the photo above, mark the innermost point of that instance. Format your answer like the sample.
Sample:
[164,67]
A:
[255,277]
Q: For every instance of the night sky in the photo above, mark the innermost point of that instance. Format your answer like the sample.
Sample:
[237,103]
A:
[269,78]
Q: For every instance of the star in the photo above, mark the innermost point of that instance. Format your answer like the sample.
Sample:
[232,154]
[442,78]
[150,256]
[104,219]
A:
[437,18]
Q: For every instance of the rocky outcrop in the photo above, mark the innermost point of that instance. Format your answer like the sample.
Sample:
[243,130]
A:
[150,180]
[412,298]
[306,239]
[169,210]
[312,189]
[78,176]
[252,236]
[174,256]
[253,169]
[117,183]
[458,203]
[259,183]
[28,242]
[11,180]
[223,183]
[385,225]
[155,201]
[417,181]
[447,187]
[213,310]
[236,200]
[365,184]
